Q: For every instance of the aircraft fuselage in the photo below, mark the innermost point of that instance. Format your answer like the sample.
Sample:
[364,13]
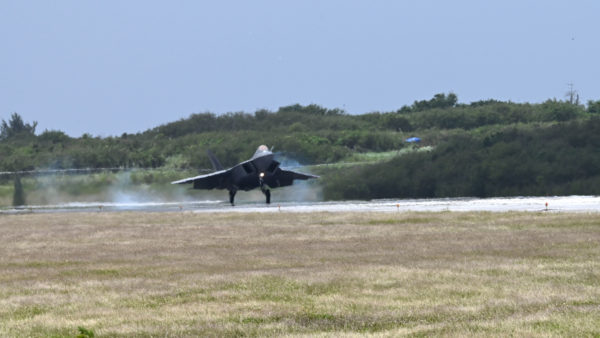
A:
[261,171]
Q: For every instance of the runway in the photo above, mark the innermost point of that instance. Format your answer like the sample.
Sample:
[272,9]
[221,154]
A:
[530,204]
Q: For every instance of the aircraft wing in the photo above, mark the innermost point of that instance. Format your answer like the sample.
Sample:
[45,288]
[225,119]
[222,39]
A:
[216,180]
[283,178]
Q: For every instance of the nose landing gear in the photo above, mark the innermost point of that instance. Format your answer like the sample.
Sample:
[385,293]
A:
[264,190]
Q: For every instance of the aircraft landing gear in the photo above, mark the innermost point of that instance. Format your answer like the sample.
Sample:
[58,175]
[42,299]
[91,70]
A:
[232,196]
[267,193]
[264,190]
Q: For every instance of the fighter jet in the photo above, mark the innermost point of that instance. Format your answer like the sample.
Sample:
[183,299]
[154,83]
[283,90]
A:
[261,171]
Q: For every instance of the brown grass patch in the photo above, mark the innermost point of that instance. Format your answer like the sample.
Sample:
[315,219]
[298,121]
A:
[185,274]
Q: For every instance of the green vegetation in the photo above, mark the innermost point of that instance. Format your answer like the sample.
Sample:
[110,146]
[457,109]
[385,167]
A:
[15,128]
[516,160]
[85,333]
[485,148]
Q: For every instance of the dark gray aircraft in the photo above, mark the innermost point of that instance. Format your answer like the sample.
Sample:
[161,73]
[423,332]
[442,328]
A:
[258,172]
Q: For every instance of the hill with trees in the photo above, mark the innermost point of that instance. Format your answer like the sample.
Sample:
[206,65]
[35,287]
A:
[517,160]
[485,148]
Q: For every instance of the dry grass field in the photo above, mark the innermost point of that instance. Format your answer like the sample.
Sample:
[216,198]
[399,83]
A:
[283,274]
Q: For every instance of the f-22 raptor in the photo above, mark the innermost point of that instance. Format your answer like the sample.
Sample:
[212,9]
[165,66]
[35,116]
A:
[261,171]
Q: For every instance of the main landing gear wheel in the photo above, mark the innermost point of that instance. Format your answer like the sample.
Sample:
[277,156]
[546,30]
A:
[267,193]
[232,196]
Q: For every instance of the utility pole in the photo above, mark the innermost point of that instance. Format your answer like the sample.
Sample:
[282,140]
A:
[572,95]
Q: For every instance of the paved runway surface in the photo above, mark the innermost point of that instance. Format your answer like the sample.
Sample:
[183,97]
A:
[553,204]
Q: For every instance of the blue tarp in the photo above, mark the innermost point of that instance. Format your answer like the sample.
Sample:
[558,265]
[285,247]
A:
[413,140]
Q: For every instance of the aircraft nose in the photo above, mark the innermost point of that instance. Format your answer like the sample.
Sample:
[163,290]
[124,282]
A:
[262,163]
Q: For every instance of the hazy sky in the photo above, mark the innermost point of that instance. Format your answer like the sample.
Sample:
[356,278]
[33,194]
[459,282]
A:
[109,67]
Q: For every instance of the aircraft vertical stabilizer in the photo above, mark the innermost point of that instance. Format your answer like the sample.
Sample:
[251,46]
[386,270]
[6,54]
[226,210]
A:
[213,159]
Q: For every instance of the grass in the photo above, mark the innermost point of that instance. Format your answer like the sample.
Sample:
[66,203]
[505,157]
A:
[372,157]
[367,158]
[323,274]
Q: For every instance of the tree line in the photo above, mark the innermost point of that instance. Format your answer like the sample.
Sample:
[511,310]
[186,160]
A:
[518,160]
[471,139]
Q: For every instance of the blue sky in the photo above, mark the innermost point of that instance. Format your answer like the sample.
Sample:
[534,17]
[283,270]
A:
[109,67]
